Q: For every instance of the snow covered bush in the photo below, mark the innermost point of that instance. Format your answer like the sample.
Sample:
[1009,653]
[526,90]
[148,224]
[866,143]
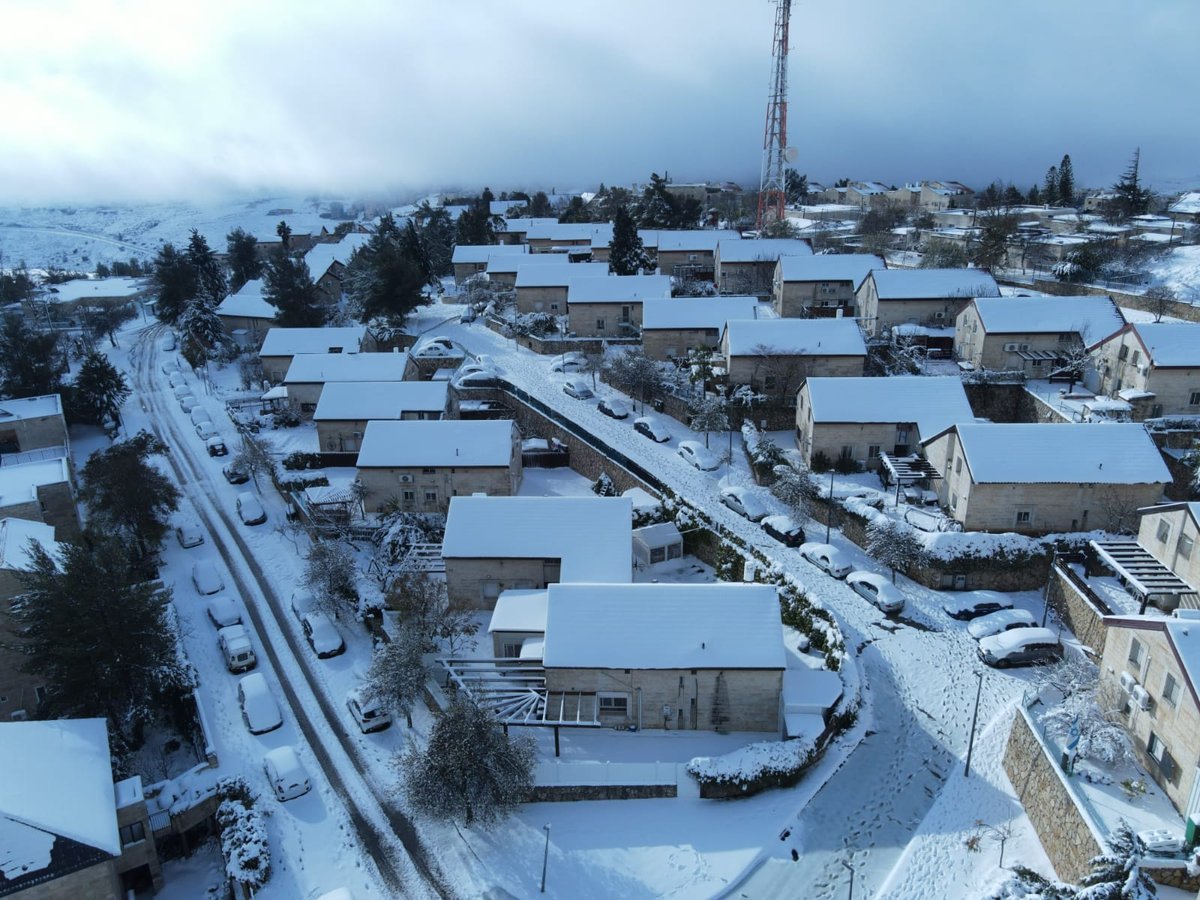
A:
[895,545]
[753,768]
[244,842]
[299,460]
[764,454]
[298,481]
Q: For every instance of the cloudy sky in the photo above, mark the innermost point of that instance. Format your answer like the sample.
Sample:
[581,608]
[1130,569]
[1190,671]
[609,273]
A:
[163,100]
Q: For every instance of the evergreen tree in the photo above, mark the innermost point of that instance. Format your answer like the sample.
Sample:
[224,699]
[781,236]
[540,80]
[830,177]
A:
[382,279]
[288,286]
[285,235]
[1132,199]
[993,244]
[795,186]
[1066,182]
[475,225]
[29,361]
[1050,187]
[174,282]
[576,211]
[242,257]
[539,206]
[201,332]
[210,279]
[437,239]
[657,207]
[487,197]
[1117,874]
[99,390]
[627,255]
[1035,195]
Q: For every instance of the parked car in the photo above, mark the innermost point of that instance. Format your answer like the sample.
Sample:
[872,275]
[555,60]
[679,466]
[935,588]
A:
[784,529]
[260,712]
[477,378]
[180,391]
[440,340]
[744,502]
[250,509]
[235,474]
[206,578]
[206,430]
[653,428]
[613,408]
[432,350]
[286,774]
[187,403]
[369,715]
[222,611]
[878,590]
[322,635]
[1003,620]
[302,604]
[571,361]
[975,604]
[1021,647]
[176,379]
[236,648]
[699,456]
[577,388]
[827,558]
[216,446]
[169,365]
[167,342]
[468,315]
[200,415]
[189,534]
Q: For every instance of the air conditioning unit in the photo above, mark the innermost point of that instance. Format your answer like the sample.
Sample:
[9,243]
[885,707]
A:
[939,315]
[406,479]
[1128,682]
[1011,348]
[1141,697]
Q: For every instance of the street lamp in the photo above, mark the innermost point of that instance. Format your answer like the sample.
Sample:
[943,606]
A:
[974,719]
[851,868]
[545,857]
[829,508]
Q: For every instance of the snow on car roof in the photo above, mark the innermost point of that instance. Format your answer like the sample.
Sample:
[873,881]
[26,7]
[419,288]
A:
[379,399]
[1019,637]
[591,536]
[762,249]
[19,408]
[319,368]
[248,302]
[1116,453]
[616,288]
[663,626]
[852,267]
[934,403]
[481,253]
[795,337]
[697,312]
[462,443]
[1171,343]
[1093,318]
[292,341]
[519,610]
[57,779]
[561,275]
[322,256]
[919,284]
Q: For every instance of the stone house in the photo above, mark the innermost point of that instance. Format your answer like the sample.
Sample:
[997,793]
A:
[41,491]
[282,345]
[345,408]
[672,328]
[20,691]
[472,259]
[921,296]
[310,372]
[1033,335]
[33,423]
[748,267]
[1154,366]
[820,286]
[571,238]
[502,268]
[611,306]
[865,194]
[1043,478]
[543,288]
[518,624]
[669,656]
[857,418]
[327,264]
[420,466]
[495,544]
[1170,534]
[774,356]
[690,254]
[1187,208]
[516,230]
[246,315]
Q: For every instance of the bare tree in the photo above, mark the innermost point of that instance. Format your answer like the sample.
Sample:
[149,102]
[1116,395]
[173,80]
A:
[330,574]
[252,458]
[1160,300]
[796,490]
[425,609]
[778,372]
[397,675]
[710,412]
[895,545]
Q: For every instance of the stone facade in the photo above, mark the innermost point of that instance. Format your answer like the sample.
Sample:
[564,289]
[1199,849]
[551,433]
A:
[697,263]
[551,299]
[798,299]
[1171,537]
[754,277]
[782,375]
[754,703]
[859,441]
[19,435]
[98,882]
[54,505]
[878,316]
[1123,365]
[1071,601]
[143,852]
[605,320]
[429,489]
[1002,351]
[669,343]
[475,583]
[345,436]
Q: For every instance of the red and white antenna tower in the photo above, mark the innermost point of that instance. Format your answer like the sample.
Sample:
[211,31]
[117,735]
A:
[771,193]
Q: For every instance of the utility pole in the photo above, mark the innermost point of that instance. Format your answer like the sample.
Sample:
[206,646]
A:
[771,186]
[545,857]
[829,509]
[974,719]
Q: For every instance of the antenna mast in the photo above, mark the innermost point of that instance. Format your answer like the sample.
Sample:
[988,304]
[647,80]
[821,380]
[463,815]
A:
[771,194]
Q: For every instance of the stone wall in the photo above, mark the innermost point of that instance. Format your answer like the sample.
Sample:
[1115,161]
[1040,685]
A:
[1001,402]
[1172,874]
[1185,311]
[1078,611]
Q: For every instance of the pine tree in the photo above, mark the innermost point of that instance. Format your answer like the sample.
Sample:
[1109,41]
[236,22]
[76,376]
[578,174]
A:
[210,279]
[288,286]
[174,282]
[1132,199]
[993,243]
[242,258]
[29,361]
[539,205]
[383,279]
[627,255]
[99,390]
[1066,182]
[1117,874]
[475,225]
[1050,187]
[796,186]
[1035,195]
[201,332]
[657,207]
[437,239]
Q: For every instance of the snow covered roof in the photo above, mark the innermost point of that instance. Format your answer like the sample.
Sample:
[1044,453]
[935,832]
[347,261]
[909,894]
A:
[322,256]
[511,263]
[19,483]
[663,626]
[933,403]
[292,341]
[920,284]
[94,288]
[57,780]
[852,267]
[1117,453]
[1185,636]
[522,224]
[1188,203]
[16,409]
[379,399]
[795,337]
[480,253]
[519,611]
[658,535]
[561,275]
[703,239]
[1094,318]
[617,288]
[739,251]
[15,535]
[320,368]
[465,443]
[592,536]
[500,207]
[1170,344]
[598,233]
[697,312]
[248,302]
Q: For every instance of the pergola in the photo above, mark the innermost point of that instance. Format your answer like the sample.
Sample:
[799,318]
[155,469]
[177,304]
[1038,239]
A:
[907,470]
[1146,577]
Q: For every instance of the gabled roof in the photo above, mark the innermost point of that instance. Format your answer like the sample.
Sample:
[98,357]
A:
[342,401]
[500,207]
[559,275]
[694,240]
[522,224]
[463,443]
[663,626]
[921,284]
[248,302]
[1188,203]
[519,610]
[319,368]
[480,253]
[761,250]
[1170,344]
[852,267]
[322,256]
[697,312]
[617,288]
[511,263]
[795,337]
[15,535]
[19,408]
[293,341]
[598,233]
[95,288]
[1111,453]
[592,536]
[1093,318]
[933,403]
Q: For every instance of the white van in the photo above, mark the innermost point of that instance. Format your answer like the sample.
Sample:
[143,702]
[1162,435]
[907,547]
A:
[235,646]
[286,774]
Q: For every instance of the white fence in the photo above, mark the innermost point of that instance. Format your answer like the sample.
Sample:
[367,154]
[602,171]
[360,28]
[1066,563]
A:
[561,774]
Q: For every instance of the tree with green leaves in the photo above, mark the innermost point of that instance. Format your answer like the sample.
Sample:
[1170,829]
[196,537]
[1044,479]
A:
[626,255]
[795,186]
[285,235]
[174,282]
[1131,198]
[575,212]
[657,207]
[992,248]
[288,286]
[201,332]
[103,640]
[140,516]
[1066,181]
[475,225]
[1118,874]
[30,361]
[103,317]
[210,277]
[241,251]
[386,277]
[940,253]
[437,238]
[99,391]
[1050,187]
[539,206]
[1035,196]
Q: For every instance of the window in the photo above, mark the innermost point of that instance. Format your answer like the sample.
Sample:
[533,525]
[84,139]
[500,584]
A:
[429,471]
[408,496]
[1194,399]
[1133,359]
[953,500]
[600,325]
[958,466]
[132,833]
[1185,546]
[1135,653]
[769,383]
[1066,338]
[873,451]
[658,554]
[1170,691]
[1024,516]
[553,307]
[901,435]
[1164,531]
[512,649]
[1123,352]
[431,496]
[613,703]
[1155,746]
[847,451]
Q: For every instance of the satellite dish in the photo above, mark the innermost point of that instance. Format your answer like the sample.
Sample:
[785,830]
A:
[790,154]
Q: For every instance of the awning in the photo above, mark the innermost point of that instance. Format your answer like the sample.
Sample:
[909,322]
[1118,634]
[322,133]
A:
[907,469]
[279,392]
[1144,574]
[1134,394]
[1045,355]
